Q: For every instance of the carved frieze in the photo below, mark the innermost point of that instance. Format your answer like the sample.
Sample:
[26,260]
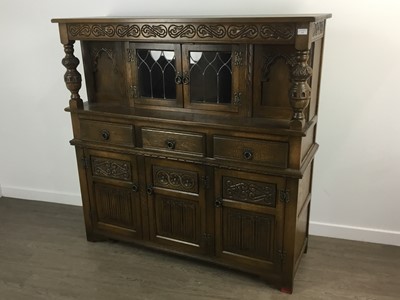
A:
[211,31]
[277,31]
[242,31]
[249,191]
[181,31]
[111,168]
[128,30]
[150,31]
[174,179]
[273,31]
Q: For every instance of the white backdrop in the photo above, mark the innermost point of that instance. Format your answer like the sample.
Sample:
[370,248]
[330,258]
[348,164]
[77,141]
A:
[356,191]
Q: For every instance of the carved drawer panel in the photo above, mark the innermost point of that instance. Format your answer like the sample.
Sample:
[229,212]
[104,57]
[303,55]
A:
[249,191]
[174,141]
[110,133]
[175,179]
[111,168]
[250,150]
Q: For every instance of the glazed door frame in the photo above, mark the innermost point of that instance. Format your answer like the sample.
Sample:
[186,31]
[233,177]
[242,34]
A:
[238,62]
[133,75]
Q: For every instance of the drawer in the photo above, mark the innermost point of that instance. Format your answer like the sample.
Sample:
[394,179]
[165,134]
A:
[174,141]
[249,150]
[111,133]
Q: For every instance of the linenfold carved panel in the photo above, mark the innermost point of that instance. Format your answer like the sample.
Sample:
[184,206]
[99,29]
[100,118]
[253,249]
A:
[273,31]
[111,168]
[248,234]
[174,179]
[249,191]
[114,206]
[177,219]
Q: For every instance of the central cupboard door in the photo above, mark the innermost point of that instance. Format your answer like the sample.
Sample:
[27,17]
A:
[176,199]
[204,77]
[249,219]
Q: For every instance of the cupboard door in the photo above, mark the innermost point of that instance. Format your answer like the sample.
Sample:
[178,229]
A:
[114,194]
[213,77]
[155,74]
[249,219]
[176,204]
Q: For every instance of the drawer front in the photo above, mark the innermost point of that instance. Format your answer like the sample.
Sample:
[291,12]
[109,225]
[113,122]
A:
[185,142]
[118,134]
[248,150]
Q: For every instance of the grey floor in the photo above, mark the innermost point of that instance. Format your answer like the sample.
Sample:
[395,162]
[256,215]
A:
[44,255]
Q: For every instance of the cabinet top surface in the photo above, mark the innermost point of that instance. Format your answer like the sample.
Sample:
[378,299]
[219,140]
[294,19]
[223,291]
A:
[211,19]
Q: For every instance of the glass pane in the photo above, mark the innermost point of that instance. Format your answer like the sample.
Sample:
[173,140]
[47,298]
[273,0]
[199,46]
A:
[156,73]
[210,76]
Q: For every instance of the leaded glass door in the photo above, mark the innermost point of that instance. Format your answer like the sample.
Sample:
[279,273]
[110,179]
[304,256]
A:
[211,77]
[155,73]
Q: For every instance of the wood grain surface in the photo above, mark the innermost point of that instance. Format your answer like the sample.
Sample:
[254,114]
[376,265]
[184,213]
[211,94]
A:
[44,255]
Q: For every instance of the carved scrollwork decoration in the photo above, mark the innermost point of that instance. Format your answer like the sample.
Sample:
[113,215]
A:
[128,30]
[242,31]
[182,31]
[111,168]
[154,31]
[300,91]
[79,30]
[249,191]
[103,30]
[175,179]
[211,31]
[277,32]
[273,31]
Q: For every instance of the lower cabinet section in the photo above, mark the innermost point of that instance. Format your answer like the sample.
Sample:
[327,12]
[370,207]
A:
[231,217]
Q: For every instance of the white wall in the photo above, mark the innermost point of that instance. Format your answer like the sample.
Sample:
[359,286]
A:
[357,171]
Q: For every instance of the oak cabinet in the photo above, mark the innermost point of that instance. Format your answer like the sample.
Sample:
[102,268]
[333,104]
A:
[198,136]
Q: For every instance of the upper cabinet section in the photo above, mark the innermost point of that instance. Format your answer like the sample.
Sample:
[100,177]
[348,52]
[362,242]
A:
[259,67]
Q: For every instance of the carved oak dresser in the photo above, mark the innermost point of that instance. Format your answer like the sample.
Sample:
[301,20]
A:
[198,134]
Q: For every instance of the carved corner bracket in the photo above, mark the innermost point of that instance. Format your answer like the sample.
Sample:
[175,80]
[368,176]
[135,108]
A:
[72,78]
[300,91]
